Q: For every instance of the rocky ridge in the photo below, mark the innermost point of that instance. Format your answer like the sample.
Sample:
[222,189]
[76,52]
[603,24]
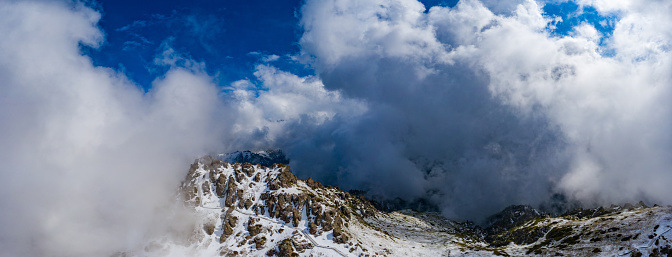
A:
[258,202]
[254,210]
[264,158]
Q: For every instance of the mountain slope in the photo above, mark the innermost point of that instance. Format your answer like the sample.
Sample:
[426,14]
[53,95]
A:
[252,210]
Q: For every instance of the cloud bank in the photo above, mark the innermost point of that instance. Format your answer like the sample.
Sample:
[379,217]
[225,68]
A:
[489,109]
[470,108]
[476,109]
[87,157]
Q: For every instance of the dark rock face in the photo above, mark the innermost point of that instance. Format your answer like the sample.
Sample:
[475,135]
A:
[511,217]
[396,204]
[230,192]
[220,185]
[313,184]
[502,227]
[339,236]
[267,158]
[519,236]
[209,228]
[259,242]
[252,228]
[285,179]
[301,246]
[229,222]
[284,249]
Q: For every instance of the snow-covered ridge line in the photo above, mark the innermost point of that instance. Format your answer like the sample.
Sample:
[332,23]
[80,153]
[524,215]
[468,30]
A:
[264,158]
[253,210]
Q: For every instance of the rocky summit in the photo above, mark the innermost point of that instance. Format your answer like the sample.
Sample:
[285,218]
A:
[246,209]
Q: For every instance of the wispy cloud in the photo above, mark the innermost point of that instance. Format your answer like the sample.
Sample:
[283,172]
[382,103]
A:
[134,25]
[270,58]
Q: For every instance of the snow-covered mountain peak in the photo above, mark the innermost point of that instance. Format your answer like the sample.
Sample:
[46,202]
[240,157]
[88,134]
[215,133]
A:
[253,209]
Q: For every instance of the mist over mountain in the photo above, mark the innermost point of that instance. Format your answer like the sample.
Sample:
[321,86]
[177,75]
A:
[468,108]
[474,110]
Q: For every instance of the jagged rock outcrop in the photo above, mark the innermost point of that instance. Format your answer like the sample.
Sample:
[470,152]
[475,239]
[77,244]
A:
[500,230]
[269,197]
[510,217]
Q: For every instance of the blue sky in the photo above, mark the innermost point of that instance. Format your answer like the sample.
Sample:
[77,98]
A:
[231,37]
[223,34]
[572,15]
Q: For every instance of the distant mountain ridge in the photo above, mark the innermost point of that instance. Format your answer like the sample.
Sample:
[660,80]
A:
[264,158]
